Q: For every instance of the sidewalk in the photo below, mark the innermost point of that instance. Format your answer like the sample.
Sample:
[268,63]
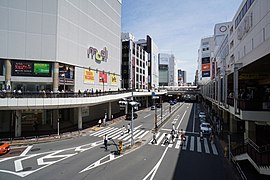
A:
[54,137]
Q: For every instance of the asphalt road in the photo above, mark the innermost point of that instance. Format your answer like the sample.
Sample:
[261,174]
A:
[86,158]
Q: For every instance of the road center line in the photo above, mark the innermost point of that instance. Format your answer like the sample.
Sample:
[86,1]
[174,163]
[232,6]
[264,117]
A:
[154,170]
[181,119]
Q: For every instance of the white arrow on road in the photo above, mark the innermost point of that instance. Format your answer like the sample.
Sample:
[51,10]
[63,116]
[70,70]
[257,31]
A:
[99,162]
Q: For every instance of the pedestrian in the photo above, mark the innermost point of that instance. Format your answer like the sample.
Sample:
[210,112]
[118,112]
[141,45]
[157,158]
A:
[172,137]
[128,128]
[104,121]
[173,128]
[183,138]
[166,141]
[123,130]
[154,141]
[105,139]
[99,122]
[201,136]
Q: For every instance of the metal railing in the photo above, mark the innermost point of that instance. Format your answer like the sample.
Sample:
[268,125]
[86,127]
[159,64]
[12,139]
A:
[260,155]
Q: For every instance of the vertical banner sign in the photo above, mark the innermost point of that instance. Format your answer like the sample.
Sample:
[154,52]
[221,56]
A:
[113,79]
[103,77]
[89,76]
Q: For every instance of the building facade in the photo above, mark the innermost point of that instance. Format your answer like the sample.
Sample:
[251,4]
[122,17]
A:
[58,45]
[239,94]
[152,49]
[182,78]
[134,64]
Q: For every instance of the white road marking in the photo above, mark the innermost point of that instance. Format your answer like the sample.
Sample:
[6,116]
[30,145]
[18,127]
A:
[178,143]
[18,166]
[206,146]
[199,147]
[214,149]
[193,129]
[99,162]
[107,132]
[192,143]
[143,134]
[181,119]
[154,170]
[184,146]
[26,151]
[147,116]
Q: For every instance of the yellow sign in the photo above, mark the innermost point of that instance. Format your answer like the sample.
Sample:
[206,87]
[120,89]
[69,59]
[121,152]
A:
[113,79]
[89,76]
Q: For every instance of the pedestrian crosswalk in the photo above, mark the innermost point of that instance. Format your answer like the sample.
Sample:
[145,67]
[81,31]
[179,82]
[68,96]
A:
[192,143]
[120,133]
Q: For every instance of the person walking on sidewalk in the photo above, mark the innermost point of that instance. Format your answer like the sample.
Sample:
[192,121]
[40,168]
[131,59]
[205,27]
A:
[173,128]
[99,122]
[105,139]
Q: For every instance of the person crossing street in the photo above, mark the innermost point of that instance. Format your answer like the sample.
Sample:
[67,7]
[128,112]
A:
[154,141]
[105,139]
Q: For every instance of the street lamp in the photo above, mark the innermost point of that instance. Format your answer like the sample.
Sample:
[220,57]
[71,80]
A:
[132,103]
[102,80]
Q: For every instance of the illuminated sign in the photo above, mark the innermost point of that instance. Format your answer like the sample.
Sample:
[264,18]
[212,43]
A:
[103,77]
[99,56]
[205,67]
[28,68]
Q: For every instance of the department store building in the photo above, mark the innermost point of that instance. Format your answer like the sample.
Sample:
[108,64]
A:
[58,45]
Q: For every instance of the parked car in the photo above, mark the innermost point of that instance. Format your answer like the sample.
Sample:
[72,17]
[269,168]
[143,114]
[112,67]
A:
[4,148]
[153,107]
[205,128]
[128,116]
[202,114]
[202,119]
[158,105]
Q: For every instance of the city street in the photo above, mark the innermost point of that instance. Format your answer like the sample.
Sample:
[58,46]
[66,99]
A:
[86,158]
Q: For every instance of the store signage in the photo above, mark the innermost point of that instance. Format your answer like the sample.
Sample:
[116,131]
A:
[113,79]
[101,55]
[103,78]
[206,67]
[89,76]
[206,74]
[24,68]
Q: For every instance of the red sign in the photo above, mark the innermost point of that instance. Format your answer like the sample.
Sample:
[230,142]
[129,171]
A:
[205,67]
[103,78]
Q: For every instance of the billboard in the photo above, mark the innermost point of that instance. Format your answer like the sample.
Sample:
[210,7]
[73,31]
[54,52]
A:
[89,76]
[206,60]
[41,68]
[26,68]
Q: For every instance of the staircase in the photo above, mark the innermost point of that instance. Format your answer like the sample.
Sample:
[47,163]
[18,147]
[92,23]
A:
[259,157]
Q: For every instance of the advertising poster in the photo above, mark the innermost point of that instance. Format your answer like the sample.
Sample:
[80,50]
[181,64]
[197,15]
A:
[89,76]
[205,67]
[103,78]
[206,74]
[41,68]
[113,79]
[26,68]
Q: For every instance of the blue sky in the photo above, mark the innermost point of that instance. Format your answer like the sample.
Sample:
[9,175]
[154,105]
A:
[177,26]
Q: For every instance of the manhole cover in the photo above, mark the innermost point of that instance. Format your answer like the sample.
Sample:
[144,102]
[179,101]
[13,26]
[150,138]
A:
[35,149]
